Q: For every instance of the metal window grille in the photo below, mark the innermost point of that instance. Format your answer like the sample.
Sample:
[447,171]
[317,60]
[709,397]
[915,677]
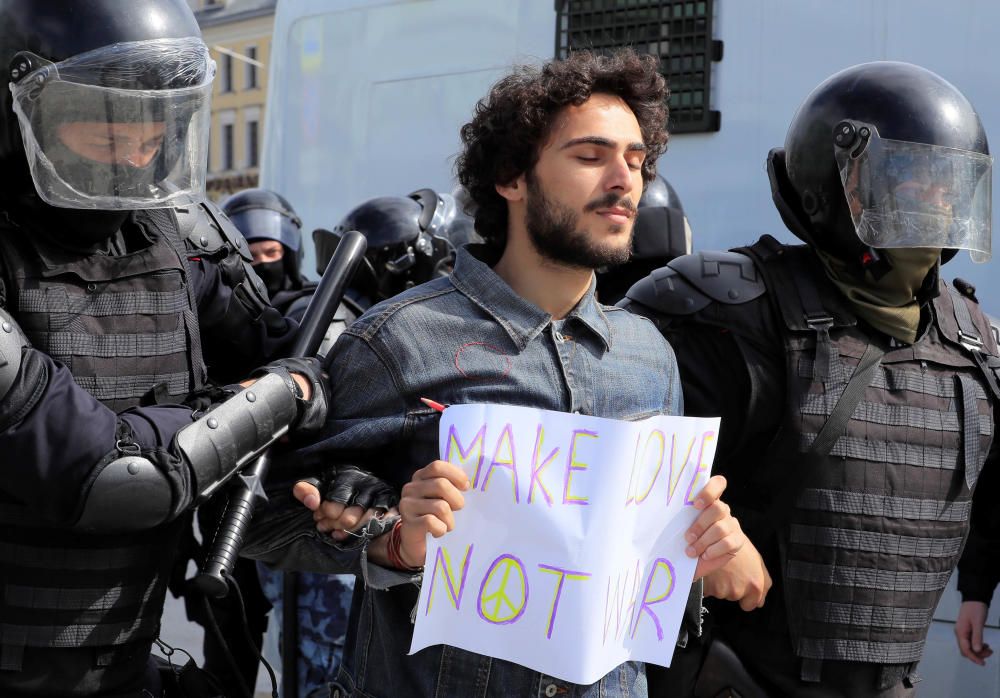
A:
[678,32]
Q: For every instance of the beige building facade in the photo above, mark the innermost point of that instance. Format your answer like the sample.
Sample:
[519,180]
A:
[238,34]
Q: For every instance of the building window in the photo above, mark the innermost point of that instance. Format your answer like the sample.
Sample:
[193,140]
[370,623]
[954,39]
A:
[678,32]
[253,143]
[228,154]
[226,73]
[251,68]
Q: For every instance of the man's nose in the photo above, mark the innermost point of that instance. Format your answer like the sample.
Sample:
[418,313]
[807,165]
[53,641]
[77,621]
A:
[618,175]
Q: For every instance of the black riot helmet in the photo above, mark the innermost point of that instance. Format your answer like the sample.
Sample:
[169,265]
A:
[135,75]
[661,233]
[885,155]
[409,240]
[261,214]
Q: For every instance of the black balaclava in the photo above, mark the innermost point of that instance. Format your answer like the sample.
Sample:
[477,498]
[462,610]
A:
[272,274]
[77,229]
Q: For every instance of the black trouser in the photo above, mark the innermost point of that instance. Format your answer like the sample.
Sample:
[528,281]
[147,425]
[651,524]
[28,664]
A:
[770,660]
[678,681]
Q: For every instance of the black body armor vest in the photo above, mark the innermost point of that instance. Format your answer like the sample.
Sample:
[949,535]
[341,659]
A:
[877,524]
[122,325]
[126,327]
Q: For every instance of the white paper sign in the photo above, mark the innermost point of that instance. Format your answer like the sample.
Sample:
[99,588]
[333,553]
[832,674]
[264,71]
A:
[568,557]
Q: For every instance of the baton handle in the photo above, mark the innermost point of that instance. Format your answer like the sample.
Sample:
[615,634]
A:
[229,534]
[243,493]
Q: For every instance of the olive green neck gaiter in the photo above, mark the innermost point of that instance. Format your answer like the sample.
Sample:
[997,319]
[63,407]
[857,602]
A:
[889,304]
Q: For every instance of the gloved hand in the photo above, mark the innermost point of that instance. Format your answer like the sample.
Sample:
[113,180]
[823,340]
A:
[312,412]
[352,486]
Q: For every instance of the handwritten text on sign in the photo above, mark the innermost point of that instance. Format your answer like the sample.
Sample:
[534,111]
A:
[569,554]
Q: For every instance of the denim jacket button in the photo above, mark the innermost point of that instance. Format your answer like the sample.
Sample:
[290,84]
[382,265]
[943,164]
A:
[551,690]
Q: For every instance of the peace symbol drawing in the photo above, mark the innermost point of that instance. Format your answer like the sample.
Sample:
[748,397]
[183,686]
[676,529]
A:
[503,595]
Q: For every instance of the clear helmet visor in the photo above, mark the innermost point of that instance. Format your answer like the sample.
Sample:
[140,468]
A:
[904,194]
[121,127]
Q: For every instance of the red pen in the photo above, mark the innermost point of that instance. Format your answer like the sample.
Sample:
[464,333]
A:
[434,405]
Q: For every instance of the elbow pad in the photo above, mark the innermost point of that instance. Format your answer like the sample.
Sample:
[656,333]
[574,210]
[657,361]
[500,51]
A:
[12,342]
[219,444]
[129,494]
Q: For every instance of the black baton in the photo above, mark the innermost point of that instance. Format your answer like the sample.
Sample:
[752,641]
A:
[247,487]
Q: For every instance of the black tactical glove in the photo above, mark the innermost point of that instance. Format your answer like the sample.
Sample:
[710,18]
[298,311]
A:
[352,486]
[312,412]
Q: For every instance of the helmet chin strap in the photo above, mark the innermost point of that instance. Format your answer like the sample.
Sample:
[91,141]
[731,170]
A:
[785,200]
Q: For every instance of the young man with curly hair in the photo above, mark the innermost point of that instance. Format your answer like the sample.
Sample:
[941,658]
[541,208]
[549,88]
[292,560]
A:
[555,159]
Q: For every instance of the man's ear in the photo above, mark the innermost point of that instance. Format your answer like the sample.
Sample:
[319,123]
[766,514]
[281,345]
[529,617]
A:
[513,190]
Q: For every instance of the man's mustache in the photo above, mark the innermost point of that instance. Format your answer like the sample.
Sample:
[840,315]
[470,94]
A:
[611,200]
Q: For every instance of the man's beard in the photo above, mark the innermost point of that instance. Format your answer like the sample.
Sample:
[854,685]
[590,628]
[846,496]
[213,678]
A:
[553,230]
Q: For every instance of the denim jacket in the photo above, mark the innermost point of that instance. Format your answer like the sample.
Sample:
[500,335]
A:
[463,339]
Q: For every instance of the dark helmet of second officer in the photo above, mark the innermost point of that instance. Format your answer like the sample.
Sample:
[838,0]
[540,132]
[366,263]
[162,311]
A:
[661,233]
[274,231]
[108,104]
[409,240]
[882,156]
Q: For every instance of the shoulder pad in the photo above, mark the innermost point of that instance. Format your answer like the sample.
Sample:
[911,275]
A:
[12,341]
[965,288]
[208,229]
[689,283]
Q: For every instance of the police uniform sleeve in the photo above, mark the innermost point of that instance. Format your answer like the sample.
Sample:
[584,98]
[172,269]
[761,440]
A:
[979,567]
[237,336]
[714,380]
[240,329]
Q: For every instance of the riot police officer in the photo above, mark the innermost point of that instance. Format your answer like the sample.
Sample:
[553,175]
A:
[122,289]
[661,233]
[409,240]
[274,231]
[857,390]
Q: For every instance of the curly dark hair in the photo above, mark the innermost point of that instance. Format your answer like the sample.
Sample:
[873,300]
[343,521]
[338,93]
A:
[511,124]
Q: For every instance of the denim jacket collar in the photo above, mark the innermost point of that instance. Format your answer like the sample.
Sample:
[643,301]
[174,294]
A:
[521,319]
